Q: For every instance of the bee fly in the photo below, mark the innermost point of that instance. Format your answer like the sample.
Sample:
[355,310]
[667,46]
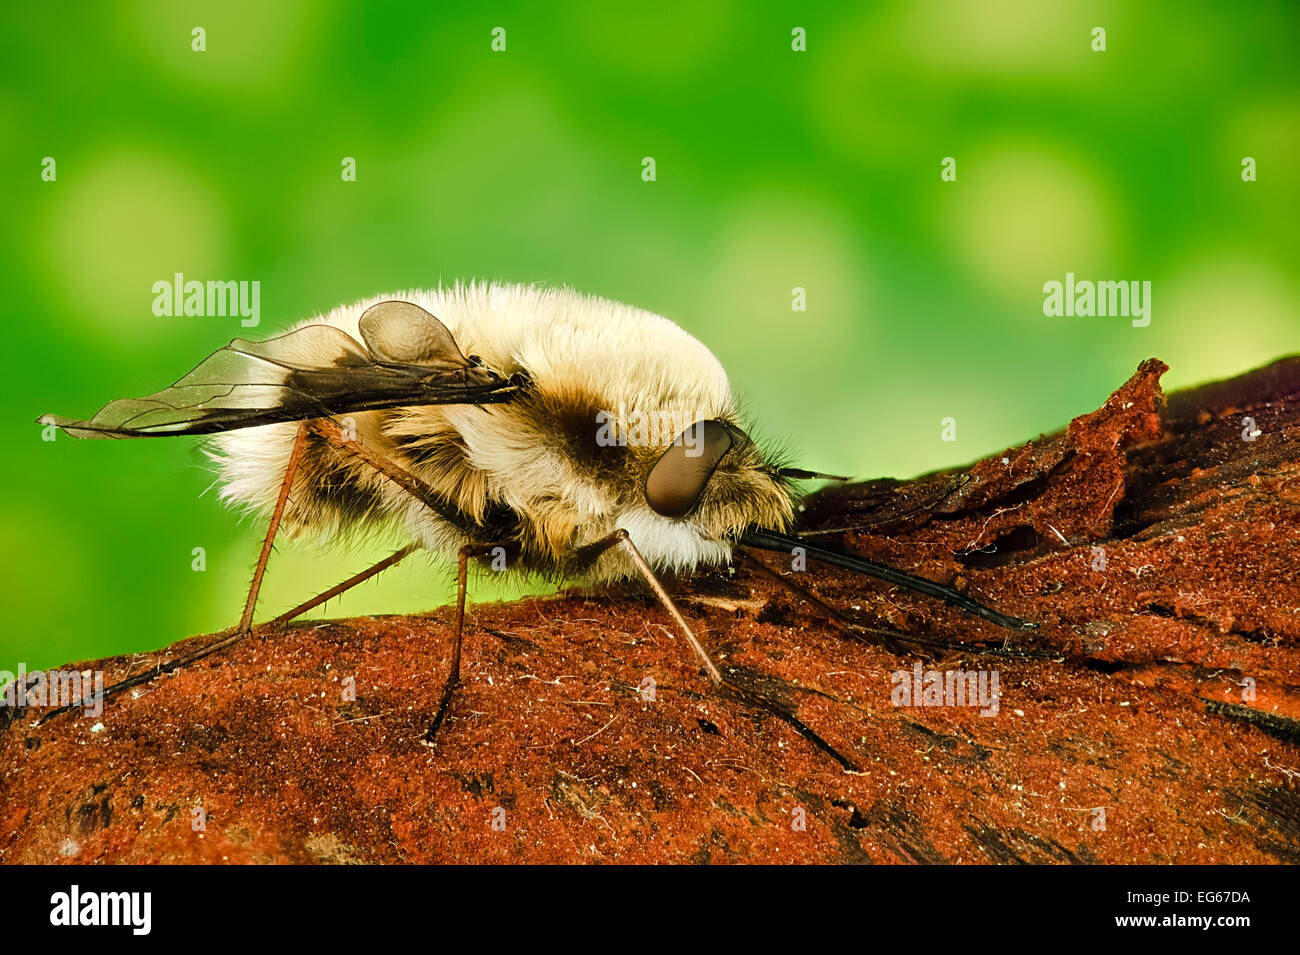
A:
[586,439]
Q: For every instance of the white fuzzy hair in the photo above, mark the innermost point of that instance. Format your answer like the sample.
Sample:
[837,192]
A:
[568,343]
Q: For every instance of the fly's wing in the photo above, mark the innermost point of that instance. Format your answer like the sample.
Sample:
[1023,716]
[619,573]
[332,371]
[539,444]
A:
[312,372]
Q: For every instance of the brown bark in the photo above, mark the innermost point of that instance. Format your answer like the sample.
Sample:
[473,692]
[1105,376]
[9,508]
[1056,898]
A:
[1161,688]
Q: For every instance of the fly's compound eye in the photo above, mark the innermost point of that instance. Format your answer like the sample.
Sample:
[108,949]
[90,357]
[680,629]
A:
[676,482]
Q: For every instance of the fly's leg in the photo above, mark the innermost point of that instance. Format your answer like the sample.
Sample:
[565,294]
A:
[894,641]
[330,432]
[255,587]
[244,627]
[621,538]
[372,571]
[889,638]
[453,675]
[835,616]
[231,638]
[403,478]
[425,494]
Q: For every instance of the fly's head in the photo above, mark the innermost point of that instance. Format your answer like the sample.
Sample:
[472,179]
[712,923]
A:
[715,479]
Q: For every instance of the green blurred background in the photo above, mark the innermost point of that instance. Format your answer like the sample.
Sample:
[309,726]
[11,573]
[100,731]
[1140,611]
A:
[776,169]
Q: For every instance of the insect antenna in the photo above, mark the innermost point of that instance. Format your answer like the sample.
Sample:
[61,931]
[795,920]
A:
[800,474]
[766,539]
[891,639]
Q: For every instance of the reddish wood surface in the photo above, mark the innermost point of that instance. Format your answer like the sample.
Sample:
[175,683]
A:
[1161,689]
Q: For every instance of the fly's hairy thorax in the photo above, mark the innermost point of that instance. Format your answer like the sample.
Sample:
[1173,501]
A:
[560,466]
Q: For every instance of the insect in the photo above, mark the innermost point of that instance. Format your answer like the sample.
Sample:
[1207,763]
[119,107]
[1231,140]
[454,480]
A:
[581,438]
